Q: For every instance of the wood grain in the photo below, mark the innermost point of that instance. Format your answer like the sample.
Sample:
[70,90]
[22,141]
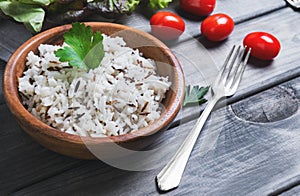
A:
[22,160]
[245,158]
[259,75]
[12,35]
[292,191]
[239,11]
[274,105]
[11,38]
[2,67]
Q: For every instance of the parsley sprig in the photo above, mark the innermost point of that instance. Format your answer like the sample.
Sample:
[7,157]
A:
[194,95]
[84,48]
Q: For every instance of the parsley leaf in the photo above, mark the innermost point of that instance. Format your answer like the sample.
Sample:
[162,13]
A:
[84,48]
[195,95]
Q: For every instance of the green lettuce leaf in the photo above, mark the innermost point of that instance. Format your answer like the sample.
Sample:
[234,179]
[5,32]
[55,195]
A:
[35,2]
[31,15]
[159,4]
[131,4]
[32,12]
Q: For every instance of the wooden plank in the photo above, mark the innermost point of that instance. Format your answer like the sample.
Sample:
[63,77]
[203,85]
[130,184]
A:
[13,35]
[291,192]
[22,160]
[238,10]
[289,187]
[232,156]
[259,75]
[2,67]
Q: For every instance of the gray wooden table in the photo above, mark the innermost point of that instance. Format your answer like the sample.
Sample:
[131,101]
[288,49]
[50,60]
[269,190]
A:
[249,146]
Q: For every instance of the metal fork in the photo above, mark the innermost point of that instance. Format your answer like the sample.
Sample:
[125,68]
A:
[294,3]
[226,84]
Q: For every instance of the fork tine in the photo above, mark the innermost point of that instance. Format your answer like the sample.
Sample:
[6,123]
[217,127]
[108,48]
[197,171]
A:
[239,62]
[238,75]
[223,68]
[237,52]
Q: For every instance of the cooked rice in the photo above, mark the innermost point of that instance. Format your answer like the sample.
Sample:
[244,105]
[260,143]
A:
[122,95]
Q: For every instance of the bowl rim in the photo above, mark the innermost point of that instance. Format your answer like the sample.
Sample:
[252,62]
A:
[11,94]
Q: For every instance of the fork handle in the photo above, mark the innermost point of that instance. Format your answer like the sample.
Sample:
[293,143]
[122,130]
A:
[169,177]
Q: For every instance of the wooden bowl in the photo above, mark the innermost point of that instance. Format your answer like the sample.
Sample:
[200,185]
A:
[73,145]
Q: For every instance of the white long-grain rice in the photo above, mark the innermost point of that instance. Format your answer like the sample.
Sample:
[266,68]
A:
[122,95]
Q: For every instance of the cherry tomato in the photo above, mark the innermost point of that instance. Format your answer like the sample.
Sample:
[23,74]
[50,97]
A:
[166,25]
[198,7]
[263,45]
[217,27]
